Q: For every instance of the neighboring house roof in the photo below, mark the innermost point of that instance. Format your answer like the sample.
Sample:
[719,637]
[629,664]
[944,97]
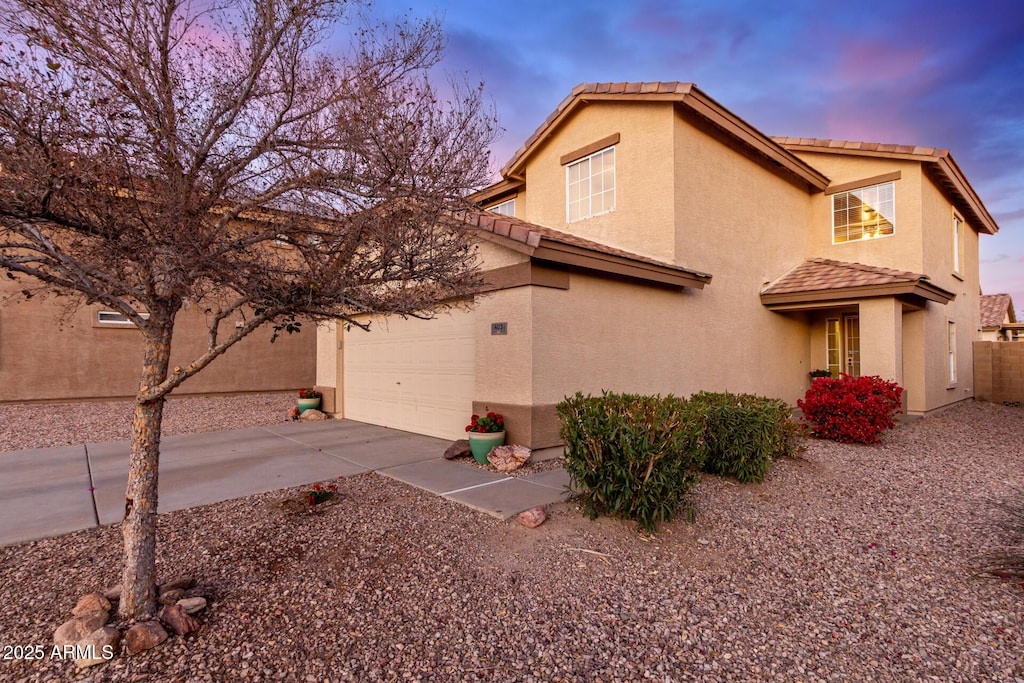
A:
[685,95]
[547,244]
[939,162]
[995,309]
[820,279]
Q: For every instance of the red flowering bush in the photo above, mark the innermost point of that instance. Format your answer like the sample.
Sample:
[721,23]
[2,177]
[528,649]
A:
[488,424]
[309,393]
[851,409]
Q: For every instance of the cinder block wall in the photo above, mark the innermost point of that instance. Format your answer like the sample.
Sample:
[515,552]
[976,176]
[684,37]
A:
[999,371]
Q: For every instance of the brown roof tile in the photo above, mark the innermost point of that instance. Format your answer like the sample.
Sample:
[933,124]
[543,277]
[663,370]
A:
[994,308]
[531,235]
[853,145]
[818,274]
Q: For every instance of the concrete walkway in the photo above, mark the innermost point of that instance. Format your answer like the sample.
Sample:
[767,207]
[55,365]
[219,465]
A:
[53,491]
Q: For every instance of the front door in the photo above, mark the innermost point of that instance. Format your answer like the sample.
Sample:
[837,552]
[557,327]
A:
[842,338]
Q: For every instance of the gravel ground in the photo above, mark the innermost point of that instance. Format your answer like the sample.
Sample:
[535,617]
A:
[46,425]
[852,563]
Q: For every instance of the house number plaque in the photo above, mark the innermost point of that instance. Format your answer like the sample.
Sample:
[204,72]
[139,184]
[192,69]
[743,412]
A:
[499,328]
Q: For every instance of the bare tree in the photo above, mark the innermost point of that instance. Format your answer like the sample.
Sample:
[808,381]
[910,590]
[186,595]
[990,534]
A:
[156,153]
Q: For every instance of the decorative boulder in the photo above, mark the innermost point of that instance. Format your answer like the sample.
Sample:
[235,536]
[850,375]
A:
[177,619]
[192,605]
[93,602]
[532,518]
[458,449]
[313,414]
[101,643]
[144,635]
[70,632]
[508,458]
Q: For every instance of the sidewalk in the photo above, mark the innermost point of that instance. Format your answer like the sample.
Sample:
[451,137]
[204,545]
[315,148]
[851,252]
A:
[53,491]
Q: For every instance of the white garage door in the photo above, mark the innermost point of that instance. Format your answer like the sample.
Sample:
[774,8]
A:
[413,375]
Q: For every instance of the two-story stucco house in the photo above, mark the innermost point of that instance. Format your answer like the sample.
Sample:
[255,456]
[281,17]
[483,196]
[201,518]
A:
[646,239]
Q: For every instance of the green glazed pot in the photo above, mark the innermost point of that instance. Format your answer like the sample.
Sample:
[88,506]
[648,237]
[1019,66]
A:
[481,444]
[307,403]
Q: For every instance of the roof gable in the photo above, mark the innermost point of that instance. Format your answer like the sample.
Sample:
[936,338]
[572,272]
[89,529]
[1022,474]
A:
[938,163]
[683,95]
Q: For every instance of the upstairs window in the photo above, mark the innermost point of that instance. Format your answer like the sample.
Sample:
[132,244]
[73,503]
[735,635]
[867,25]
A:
[958,243]
[590,185]
[864,213]
[505,208]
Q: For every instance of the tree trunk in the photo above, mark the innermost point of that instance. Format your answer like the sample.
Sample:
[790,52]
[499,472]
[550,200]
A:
[138,579]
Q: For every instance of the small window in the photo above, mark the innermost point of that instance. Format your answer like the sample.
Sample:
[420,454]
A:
[505,208]
[115,318]
[862,214]
[951,351]
[958,244]
[590,185]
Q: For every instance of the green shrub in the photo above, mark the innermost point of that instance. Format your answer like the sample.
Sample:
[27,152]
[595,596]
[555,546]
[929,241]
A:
[631,456]
[743,433]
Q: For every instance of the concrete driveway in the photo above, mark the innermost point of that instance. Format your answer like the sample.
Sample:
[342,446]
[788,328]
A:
[53,491]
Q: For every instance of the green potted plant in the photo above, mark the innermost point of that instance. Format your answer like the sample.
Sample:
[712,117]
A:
[484,433]
[309,398]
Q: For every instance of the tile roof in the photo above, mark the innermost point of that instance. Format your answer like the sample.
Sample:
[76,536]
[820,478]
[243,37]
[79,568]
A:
[854,146]
[994,308]
[532,235]
[819,274]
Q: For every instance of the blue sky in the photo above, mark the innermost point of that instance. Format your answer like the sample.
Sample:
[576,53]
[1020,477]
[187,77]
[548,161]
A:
[936,73]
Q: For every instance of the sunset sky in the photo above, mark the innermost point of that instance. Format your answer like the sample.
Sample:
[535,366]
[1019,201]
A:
[936,73]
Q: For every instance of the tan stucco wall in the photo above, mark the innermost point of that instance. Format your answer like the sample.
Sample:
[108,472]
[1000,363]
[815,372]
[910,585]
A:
[42,359]
[643,215]
[903,249]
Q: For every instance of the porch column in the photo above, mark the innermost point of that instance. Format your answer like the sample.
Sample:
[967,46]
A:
[881,338]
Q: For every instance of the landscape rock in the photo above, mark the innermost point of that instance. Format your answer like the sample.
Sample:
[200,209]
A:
[143,636]
[508,458]
[313,414]
[192,605]
[533,517]
[72,631]
[294,413]
[93,602]
[459,449]
[171,596]
[103,644]
[177,619]
[113,594]
[182,583]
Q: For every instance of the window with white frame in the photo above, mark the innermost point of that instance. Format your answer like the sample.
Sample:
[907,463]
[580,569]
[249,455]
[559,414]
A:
[115,318]
[590,185]
[951,351]
[864,213]
[505,208]
[958,237]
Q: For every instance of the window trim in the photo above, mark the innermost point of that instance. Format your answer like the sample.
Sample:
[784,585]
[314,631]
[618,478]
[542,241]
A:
[114,319]
[590,196]
[889,219]
[951,355]
[958,245]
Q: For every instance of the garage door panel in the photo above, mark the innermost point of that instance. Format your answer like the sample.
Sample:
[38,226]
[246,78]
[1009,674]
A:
[415,375]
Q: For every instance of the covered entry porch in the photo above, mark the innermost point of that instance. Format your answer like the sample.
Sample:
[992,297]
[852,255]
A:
[865,320]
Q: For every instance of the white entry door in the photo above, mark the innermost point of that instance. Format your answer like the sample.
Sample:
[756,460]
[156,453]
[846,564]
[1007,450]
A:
[414,375]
